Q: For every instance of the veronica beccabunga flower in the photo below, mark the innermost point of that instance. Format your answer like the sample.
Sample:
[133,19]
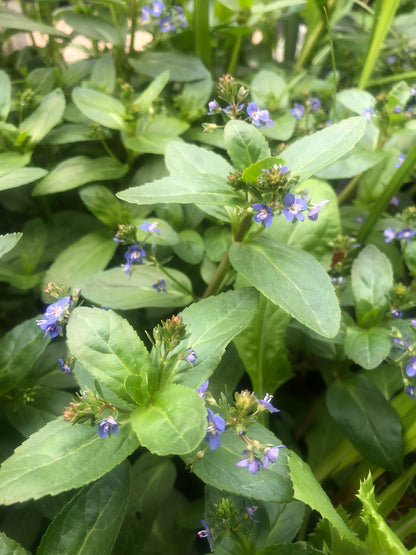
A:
[264,214]
[160,286]
[294,207]
[259,117]
[216,426]
[134,255]
[107,426]
[411,367]
[54,315]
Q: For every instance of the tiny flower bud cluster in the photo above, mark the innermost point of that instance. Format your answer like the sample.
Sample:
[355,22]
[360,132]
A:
[169,333]
[90,407]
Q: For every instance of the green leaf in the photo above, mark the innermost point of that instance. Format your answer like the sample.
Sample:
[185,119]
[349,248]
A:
[91,520]
[11,161]
[355,162]
[191,246]
[81,170]
[188,189]
[245,144]
[310,154]
[104,205]
[155,137]
[269,90]
[368,420]
[308,490]
[371,280]
[291,279]
[11,19]
[32,245]
[182,67]
[103,75]
[109,348]
[101,108]
[174,422]
[261,346]
[80,260]
[210,325]
[153,479]
[8,242]
[19,350]
[308,235]
[46,116]
[10,547]
[53,460]
[218,468]
[5,94]
[17,178]
[190,160]
[356,100]
[68,133]
[217,240]
[381,538]
[152,91]
[114,289]
[367,347]
[94,27]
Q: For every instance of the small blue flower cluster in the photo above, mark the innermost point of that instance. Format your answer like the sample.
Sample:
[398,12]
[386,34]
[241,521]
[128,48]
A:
[400,159]
[293,208]
[55,315]
[255,115]
[167,21]
[298,110]
[404,344]
[390,234]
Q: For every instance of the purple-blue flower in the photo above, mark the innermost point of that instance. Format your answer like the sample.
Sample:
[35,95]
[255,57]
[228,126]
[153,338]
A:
[65,368]
[160,286]
[389,234]
[253,465]
[270,455]
[180,16]
[54,314]
[250,511]
[411,390]
[134,255]
[396,313]
[216,426]
[191,356]
[213,108]
[390,60]
[206,533]
[267,403]
[397,109]
[107,426]
[314,211]
[406,234]
[151,227]
[202,389]
[367,113]
[400,343]
[315,104]
[298,110]
[400,160]
[264,214]
[145,14]
[259,116]
[294,208]
[157,8]
[166,25]
[411,367]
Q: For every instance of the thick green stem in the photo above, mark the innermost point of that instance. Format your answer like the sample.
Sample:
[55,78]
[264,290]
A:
[393,187]
[348,189]
[201,30]
[133,16]
[232,64]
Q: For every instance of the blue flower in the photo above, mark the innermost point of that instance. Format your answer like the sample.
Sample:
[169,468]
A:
[133,255]
[294,208]
[65,368]
[400,160]
[157,8]
[315,105]
[400,343]
[411,390]
[216,426]
[166,25]
[202,389]
[254,464]
[191,356]
[213,108]
[206,533]
[298,110]
[411,367]
[314,211]
[396,313]
[390,60]
[270,455]
[107,426]
[180,16]
[151,227]
[54,315]
[264,214]
[367,113]
[145,14]
[160,286]
[250,511]
[259,116]
[266,403]
[397,109]
[389,234]
[406,233]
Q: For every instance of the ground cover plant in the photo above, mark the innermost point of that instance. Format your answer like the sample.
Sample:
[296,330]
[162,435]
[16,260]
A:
[208,260]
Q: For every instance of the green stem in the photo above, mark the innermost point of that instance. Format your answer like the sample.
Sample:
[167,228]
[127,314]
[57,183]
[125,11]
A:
[232,64]
[392,188]
[333,62]
[348,189]
[133,16]
[224,265]
[201,30]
